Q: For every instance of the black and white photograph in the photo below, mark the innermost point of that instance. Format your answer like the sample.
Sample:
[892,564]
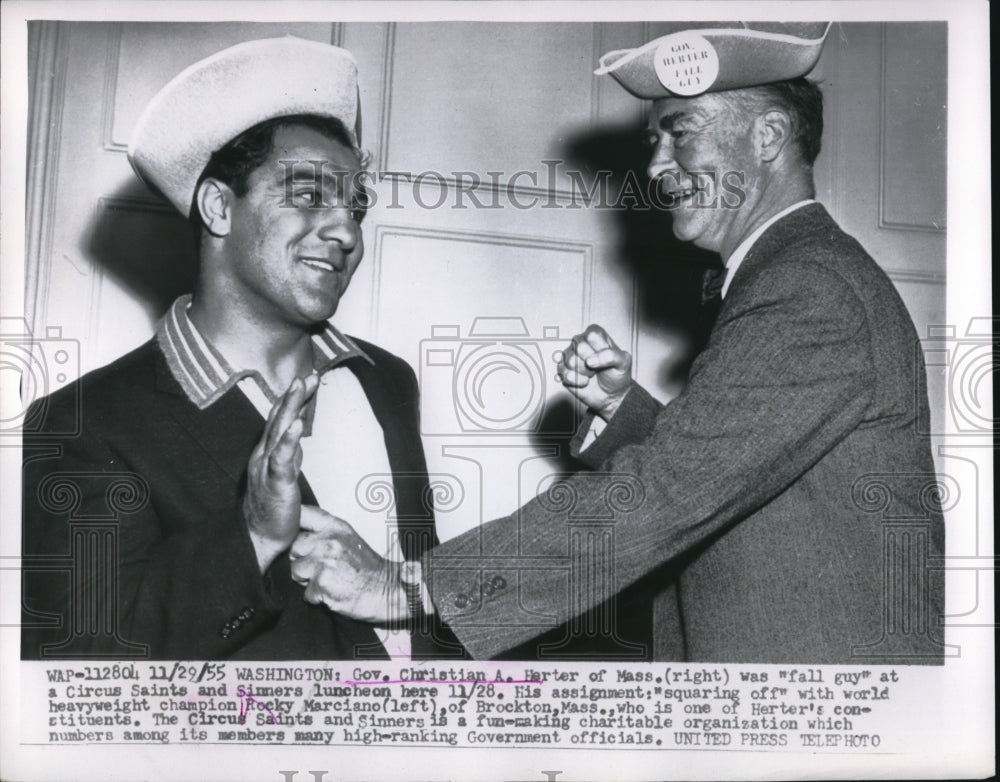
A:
[556,391]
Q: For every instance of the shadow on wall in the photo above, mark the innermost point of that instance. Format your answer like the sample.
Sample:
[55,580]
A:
[668,276]
[143,244]
[667,272]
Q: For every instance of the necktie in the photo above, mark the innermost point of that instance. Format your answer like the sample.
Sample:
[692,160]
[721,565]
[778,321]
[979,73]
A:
[711,286]
[711,302]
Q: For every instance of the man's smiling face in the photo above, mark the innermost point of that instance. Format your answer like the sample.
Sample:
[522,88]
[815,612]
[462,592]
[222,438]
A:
[295,238]
[701,145]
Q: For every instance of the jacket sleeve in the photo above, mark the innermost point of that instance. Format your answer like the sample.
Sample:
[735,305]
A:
[631,423]
[112,571]
[787,374]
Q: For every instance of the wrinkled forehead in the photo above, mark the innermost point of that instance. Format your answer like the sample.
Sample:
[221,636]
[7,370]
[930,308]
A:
[666,111]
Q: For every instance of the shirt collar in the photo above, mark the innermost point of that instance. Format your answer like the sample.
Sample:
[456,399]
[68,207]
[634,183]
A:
[740,253]
[203,372]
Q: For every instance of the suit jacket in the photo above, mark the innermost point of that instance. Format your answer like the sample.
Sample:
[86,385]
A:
[787,485]
[134,539]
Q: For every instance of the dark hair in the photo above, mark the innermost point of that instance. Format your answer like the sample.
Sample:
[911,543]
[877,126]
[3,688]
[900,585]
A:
[239,158]
[801,99]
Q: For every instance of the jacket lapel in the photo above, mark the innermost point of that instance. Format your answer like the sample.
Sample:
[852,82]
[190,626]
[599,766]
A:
[804,220]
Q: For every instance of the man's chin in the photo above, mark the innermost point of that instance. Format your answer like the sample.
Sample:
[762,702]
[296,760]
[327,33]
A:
[684,233]
[695,234]
[318,314]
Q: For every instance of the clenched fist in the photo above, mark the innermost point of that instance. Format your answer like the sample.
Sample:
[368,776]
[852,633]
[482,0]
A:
[596,371]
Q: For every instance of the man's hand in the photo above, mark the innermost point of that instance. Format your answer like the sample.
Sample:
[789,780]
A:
[341,571]
[596,371]
[272,502]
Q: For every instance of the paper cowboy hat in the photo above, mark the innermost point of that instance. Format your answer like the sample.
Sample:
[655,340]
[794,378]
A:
[716,56]
[211,102]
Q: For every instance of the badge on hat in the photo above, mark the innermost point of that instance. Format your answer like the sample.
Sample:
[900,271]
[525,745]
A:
[211,102]
[716,56]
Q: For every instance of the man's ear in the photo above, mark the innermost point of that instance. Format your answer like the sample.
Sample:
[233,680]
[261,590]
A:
[214,200]
[774,131]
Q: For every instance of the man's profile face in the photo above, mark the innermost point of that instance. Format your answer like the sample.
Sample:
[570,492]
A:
[295,237]
[702,160]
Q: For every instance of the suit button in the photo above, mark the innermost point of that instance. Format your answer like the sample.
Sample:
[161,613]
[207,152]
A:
[499,582]
[236,623]
[226,631]
[461,601]
[488,589]
[247,614]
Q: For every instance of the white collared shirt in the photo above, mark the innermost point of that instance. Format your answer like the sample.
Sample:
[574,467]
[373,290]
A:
[740,253]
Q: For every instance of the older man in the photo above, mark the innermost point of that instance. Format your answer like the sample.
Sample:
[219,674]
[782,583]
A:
[753,487]
[212,428]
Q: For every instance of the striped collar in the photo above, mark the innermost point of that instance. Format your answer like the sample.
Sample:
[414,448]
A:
[205,375]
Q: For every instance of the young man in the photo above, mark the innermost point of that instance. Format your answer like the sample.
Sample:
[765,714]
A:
[245,404]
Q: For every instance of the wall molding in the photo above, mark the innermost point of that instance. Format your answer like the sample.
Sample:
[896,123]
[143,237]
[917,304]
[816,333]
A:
[883,90]
[110,92]
[385,94]
[560,195]
[833,137]
[137,203]
[108,142]
[597,48]
[525,242]
[908,275]
[48,88]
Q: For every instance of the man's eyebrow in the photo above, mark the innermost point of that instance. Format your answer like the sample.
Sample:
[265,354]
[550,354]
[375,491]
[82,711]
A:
[307,175]
[667,120]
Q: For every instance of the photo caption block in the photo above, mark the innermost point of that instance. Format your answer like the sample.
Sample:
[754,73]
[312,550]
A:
[845,709]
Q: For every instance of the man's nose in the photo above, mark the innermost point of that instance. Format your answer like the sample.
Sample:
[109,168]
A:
[338,225]
[663,158]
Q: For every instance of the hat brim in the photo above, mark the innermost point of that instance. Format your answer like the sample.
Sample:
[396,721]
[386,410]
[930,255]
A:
[746,57]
